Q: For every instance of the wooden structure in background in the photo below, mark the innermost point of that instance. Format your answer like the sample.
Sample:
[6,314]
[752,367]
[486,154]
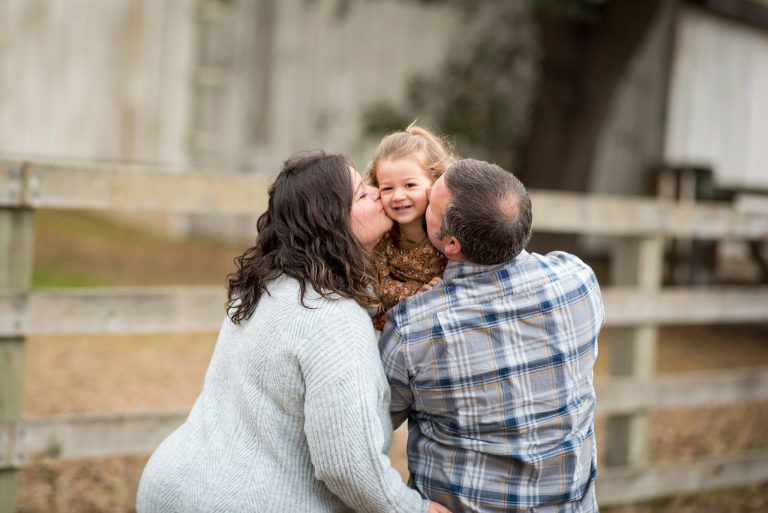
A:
[718,107]
[636,304]
[16,241]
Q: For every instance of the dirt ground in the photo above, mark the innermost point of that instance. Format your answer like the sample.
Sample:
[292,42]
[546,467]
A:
[127,373]
[143,373]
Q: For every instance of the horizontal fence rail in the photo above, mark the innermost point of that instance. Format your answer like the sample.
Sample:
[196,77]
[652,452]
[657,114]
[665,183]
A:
[690,390]
[70,437]
[132,189]
[625,306]
[139,189]
[201,308]
[624,485]
[124,310]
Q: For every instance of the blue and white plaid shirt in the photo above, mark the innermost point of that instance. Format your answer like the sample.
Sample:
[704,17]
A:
[493,369]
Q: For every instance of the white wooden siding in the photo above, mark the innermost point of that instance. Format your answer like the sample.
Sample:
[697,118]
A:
[718,109]
[326,69]
[95,80]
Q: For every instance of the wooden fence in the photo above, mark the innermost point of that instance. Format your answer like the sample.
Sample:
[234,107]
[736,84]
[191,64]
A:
[636,305]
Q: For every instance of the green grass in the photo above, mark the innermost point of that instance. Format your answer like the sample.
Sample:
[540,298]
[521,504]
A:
[85,224]
[51,277]
[87,249]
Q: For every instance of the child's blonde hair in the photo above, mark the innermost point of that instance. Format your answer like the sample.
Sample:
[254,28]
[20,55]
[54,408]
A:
[433,153]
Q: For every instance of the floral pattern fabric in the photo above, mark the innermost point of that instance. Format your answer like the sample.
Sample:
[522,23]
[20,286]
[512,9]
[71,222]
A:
[402,272]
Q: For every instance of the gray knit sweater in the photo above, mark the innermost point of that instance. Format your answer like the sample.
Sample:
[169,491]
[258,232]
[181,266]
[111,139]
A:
[293,417]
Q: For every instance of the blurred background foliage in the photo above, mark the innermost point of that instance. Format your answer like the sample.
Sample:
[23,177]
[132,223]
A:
[527,84]
[482,94]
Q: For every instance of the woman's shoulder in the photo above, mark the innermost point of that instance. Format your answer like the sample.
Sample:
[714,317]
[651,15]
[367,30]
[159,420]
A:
[320,307]
[330,322]
[332,326]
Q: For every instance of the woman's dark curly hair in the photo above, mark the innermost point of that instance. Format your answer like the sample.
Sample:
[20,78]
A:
[306,234]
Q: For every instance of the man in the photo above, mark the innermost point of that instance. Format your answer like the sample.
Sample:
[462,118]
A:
[493,366]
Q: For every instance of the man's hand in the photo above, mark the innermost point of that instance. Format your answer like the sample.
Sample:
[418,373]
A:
[428,286]
[437,508]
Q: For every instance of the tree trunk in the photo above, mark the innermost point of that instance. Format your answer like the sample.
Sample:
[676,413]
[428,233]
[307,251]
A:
[582,66]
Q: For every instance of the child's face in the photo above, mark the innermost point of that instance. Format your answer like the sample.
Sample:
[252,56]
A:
[403,184]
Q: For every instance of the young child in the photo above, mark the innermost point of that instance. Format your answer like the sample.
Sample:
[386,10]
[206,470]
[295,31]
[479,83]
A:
[404,166]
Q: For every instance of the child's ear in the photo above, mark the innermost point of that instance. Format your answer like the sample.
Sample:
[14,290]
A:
[452,249]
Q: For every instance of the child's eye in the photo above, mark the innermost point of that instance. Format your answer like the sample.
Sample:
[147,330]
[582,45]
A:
[386,189]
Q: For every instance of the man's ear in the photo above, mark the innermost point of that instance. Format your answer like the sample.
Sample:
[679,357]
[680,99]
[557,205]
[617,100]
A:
[452,249]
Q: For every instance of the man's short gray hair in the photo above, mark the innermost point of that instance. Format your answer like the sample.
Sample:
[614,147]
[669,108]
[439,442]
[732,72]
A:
[489,212]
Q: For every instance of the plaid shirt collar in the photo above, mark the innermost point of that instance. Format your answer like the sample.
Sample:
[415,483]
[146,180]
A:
[456,269]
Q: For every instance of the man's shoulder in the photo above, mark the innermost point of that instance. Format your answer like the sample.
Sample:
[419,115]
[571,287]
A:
[558,258]
[565,281]
[557,265]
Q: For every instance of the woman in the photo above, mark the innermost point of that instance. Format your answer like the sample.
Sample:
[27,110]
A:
[293,415]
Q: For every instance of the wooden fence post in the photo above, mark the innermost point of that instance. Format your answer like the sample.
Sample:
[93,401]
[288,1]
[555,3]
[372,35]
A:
[636,262]
[16,248]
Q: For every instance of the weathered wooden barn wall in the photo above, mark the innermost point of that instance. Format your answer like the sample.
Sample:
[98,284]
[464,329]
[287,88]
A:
[326,67]
[718,110]
[209,83]
[95,80]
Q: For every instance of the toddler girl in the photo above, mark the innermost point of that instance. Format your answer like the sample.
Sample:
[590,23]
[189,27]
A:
[404,166]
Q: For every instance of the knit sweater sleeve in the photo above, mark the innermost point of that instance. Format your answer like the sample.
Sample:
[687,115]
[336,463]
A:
[347,445]
[396,369]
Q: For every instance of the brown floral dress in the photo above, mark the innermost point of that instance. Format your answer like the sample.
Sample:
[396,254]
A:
[402,272]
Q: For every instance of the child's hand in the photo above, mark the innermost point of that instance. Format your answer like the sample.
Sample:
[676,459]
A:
[428,286]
